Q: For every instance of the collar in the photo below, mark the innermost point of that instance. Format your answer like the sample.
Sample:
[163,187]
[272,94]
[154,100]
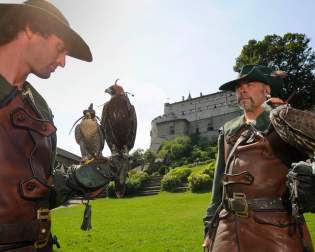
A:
[261,124]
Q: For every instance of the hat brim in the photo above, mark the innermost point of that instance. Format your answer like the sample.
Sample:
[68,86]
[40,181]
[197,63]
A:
[78,48]
[275,84]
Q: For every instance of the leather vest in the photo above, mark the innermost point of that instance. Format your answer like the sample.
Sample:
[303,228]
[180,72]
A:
[257,170]
[266,158]
[25,163]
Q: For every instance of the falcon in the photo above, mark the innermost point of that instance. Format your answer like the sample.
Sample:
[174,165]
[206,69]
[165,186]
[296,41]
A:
[119,122]
[89,136]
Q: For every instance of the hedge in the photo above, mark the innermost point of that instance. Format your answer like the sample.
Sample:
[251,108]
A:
[134,183]
[200,182]
[175,178]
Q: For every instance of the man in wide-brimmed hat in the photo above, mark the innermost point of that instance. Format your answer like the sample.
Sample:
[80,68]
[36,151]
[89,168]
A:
[250,210]
[34,38]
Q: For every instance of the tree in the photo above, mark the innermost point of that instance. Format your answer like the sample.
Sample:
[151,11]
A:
[290,53]
[149,156]
[173,150]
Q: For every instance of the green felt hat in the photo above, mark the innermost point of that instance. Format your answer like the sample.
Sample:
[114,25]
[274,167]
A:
[257,73]
[77,46]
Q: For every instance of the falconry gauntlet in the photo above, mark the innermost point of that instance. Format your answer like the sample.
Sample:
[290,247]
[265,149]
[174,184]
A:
[301,182]
[90,177]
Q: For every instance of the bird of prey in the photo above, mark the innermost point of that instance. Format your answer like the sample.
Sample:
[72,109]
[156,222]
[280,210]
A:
[119,122]
[296,127]
[89,136]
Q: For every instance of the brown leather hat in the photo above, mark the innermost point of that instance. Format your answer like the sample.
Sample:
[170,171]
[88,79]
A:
[77,46]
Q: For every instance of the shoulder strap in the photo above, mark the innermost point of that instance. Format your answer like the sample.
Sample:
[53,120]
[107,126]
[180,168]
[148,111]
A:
[8,98]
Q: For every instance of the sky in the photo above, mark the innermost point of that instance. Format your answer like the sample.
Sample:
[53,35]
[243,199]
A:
[160,50]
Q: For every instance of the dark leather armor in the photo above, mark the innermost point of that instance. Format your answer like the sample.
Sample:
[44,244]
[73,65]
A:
[255,216]
[25,174]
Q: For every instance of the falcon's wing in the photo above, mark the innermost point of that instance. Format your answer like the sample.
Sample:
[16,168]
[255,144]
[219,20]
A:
[77,134]
[133,127]
[296,127]
[119,122]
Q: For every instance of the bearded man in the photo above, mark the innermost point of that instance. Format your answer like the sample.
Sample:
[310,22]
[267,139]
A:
[250,209]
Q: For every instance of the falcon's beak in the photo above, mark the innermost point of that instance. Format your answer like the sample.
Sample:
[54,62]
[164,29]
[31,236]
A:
[109,91]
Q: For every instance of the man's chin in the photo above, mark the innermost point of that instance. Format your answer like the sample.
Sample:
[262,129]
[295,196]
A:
[43,75]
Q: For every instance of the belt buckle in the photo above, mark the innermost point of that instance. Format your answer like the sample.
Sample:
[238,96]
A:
[240,197]
[43,217]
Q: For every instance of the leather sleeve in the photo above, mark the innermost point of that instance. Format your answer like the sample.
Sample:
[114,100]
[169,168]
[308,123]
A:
[217,185]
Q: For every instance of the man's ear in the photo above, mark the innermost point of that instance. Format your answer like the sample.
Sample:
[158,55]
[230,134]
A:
[267,90]
[29,33]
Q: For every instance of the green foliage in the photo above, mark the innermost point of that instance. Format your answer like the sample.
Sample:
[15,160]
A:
[198,154]
[134,183]
[182,151]
[174,179]
[175,149]
[138,154]
[290,53]
[149,156]
[137,158]
[200,182]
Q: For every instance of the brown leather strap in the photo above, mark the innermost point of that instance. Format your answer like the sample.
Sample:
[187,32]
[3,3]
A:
[22,231]
[239,178]
[14,246]
[235,205]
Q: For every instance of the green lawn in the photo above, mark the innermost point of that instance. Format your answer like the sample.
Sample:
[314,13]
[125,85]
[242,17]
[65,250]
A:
[166,222]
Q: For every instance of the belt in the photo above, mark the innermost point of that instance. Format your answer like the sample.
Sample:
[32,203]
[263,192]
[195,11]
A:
[36,231]
[240,206]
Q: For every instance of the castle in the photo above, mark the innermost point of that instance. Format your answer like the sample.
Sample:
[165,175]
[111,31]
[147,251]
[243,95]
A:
[202,115]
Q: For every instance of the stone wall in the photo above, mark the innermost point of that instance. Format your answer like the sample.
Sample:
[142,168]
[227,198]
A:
[203,115]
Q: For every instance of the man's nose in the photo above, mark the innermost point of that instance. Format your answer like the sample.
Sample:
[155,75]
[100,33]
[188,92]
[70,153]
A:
[242,88]
[61,60]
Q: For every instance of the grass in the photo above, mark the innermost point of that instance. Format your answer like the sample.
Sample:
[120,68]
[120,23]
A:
[168,222]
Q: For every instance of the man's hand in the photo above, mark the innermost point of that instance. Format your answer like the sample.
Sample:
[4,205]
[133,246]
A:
[206,243]
[274,101]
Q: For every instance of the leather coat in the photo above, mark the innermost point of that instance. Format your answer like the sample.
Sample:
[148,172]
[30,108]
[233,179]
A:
[255,179]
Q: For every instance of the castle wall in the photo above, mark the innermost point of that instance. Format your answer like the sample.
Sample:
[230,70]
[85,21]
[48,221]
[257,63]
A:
[203,115]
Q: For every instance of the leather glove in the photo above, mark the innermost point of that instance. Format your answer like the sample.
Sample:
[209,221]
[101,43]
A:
[91,177]
[304,191]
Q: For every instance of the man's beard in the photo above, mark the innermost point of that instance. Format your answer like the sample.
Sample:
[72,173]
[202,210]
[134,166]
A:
[248,105]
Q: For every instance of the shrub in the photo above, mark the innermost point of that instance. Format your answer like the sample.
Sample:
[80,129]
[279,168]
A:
[209,170]
[134,183]
[200,182]
[169,183]
[175,178]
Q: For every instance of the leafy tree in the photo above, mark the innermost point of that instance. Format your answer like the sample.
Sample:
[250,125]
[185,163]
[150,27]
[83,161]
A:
[138,154]
[149,156]
[171,150]
[199,154]
[290,53]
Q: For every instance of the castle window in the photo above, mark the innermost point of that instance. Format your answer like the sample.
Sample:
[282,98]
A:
[210,127]
[197,131]
[172,130]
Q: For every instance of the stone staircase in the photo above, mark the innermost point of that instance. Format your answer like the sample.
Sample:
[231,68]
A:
[152,186]
[182,188]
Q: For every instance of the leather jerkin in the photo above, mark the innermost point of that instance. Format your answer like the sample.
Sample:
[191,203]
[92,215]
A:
[25,173]
[267,159]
